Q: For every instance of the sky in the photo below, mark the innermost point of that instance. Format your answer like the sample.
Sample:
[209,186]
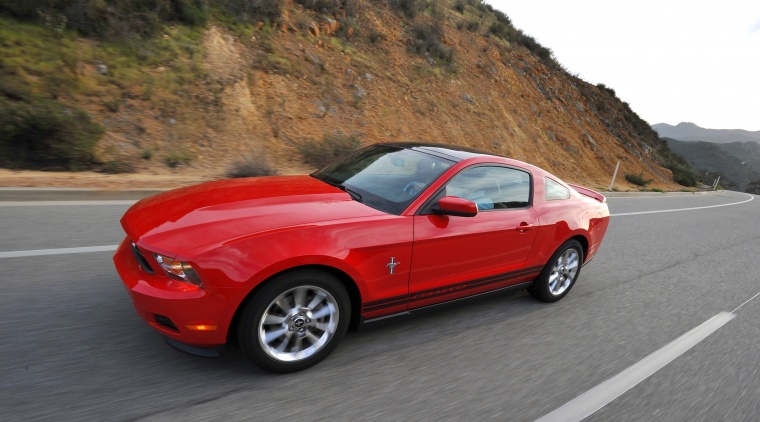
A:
[672,60]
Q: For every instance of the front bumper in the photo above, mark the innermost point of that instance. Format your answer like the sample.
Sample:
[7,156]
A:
[180,311]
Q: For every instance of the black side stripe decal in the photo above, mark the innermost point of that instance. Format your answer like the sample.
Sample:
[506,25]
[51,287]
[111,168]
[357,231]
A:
[445,290]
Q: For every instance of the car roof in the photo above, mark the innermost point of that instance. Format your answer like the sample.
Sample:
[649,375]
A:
[454,153]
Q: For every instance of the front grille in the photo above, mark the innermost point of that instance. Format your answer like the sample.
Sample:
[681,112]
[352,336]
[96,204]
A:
[141,260]
[166,322]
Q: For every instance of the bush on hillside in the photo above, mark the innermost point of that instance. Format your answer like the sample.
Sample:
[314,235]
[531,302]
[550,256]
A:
[638,179]
[426,40]
[329,7]
[45,134]
[683,172]
[324,152]
[255,166]
[607,89]
[753,187]
[472,26]
[141,18]
[534,46]
[410,8]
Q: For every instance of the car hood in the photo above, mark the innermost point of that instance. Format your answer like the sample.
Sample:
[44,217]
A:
[176,222]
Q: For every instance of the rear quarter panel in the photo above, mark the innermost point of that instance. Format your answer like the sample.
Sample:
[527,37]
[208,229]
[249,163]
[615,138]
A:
[563,219]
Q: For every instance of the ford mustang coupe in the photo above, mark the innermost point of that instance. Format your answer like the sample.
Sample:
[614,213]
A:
[282,266]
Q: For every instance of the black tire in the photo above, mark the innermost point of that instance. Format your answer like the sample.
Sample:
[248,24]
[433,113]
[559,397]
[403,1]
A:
[559,274]
[279,334]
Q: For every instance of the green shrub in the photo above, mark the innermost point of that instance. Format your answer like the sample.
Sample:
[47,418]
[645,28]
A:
[375,36]
[324,152]
[753,187]
[638,179]
[251,11]
[329,7]
[683,174]
[46,134]
[251,167]
[501,16]
[426,41]
[459,6]
[473,26]
[531,44]
[117,167]
[410,8]
[175,158]
[604,87]
[191,12]
[500,30]
[144,18]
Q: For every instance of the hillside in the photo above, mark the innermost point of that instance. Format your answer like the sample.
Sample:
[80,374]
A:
[737,163]
[691,132]
[201,98]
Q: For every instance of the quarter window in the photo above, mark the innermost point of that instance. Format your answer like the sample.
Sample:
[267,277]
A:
[554,191]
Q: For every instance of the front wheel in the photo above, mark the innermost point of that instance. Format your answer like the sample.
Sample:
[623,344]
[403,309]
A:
[294,321]
[559,274]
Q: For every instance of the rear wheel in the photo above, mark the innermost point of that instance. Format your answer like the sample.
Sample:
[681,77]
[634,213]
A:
[295,321]
[559,274]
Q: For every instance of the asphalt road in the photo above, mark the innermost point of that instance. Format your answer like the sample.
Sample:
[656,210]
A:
[73,349]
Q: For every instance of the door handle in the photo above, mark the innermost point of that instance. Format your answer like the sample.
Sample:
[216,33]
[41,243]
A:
[523,227]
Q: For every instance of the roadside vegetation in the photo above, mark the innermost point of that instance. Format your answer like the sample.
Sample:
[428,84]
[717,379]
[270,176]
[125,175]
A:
[319,153]
[753,187]
[251,166]
[638,179]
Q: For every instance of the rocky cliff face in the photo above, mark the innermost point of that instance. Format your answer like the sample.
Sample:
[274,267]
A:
[267,90]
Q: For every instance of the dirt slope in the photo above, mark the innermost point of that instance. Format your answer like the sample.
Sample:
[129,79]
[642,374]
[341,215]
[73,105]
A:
[267,90]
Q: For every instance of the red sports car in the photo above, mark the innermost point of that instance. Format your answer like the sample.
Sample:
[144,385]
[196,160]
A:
[284,265]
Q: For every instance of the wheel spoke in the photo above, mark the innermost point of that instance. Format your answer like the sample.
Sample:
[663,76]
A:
[298,346]
[299,297]
[281,303]
[283,345]
[325,311]
[318,297]
[312,338]
[553,281]
[322,326]
[273,319]
[271,336]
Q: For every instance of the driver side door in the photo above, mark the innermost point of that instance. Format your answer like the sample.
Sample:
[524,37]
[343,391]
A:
[456,256]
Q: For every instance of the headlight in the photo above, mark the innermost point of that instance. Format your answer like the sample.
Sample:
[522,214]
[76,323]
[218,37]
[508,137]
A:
[178,270]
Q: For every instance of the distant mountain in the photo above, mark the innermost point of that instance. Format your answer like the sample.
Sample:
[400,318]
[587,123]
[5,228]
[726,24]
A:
[737,162]
[691,132]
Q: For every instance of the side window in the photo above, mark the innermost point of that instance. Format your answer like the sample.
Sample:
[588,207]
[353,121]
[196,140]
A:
[492,187]
[554,190]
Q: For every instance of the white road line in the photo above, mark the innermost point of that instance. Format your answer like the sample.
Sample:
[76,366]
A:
[594,399]
[751,197]
[77,203]
[748,301]
[60,251]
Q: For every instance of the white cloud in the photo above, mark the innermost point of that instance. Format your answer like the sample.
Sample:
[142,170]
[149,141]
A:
[755,27]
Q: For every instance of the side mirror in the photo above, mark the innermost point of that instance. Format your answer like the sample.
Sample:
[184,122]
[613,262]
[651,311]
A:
[452,205]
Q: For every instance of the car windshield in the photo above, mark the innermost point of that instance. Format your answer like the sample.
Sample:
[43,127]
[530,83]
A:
[385,177]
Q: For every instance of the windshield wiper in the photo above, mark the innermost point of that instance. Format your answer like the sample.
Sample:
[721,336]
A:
[354,194]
